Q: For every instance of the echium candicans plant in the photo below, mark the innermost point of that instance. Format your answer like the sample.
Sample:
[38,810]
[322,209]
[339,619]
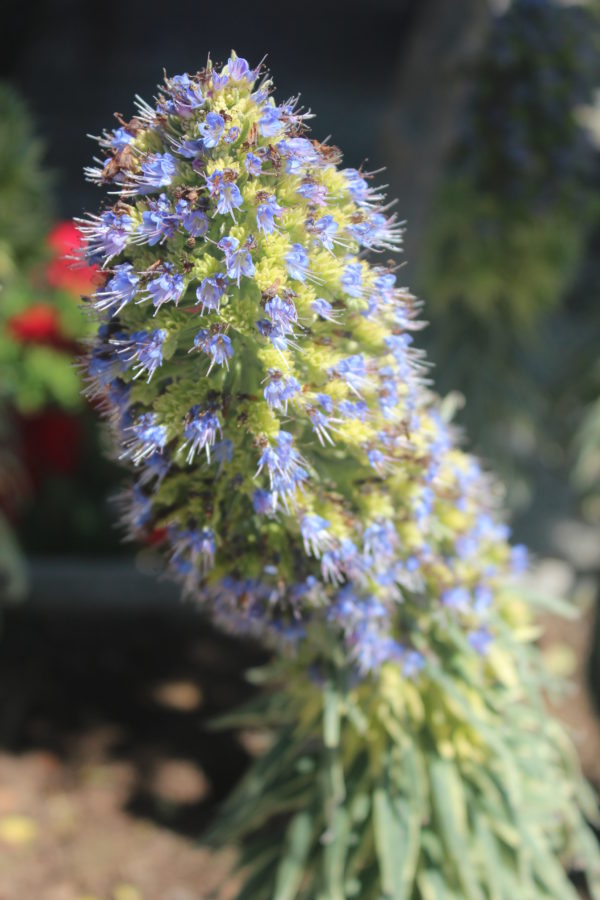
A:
[261,379]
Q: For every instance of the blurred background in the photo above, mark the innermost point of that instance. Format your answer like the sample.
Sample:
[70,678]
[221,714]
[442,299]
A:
[486,115]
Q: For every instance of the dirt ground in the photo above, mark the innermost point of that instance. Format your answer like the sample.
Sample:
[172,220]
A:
[108,774]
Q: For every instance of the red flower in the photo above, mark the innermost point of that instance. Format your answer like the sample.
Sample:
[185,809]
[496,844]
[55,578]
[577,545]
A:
[37,325]
[64,271]
[51,442]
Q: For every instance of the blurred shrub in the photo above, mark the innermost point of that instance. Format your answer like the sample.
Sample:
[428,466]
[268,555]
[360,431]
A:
[49,445]
[510,228]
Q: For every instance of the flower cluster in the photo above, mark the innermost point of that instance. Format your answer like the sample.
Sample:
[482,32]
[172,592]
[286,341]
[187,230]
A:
[260,376]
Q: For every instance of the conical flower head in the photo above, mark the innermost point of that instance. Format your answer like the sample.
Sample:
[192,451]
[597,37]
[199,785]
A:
[261,377]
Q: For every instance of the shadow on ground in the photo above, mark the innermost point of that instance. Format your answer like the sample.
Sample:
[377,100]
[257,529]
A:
[98,687]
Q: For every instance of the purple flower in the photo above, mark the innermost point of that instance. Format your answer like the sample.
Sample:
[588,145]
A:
[186,95]
[169,286]
[201,431]
[239,70]
[232,134]
[210,292]
[211,129]
[297,262]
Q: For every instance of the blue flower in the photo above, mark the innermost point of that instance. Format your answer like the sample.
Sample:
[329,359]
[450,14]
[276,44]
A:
[167,287]
[190,149]
[456,598]
[211,129]
[353,372]
[284,465]
[299,154]
[265,214]
[148,437]
[357,186]
[270,123]
[483,598]
[324,309]
[264,502]
[313,191]
[121,138]
[480,640]
[519,559]
[210,292]
[158,170]
[315,534]
[146,348]
[159,221]
[280,389]
[352,280]
[226,191]
[325,229]
[120,290]
[321,424]
[282,312]
[196,223]
[201,431]
[413,662]
[297,262]
[237,259]
[353,409]
[107,234]
[217,345]
[276,335]
[253,164]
